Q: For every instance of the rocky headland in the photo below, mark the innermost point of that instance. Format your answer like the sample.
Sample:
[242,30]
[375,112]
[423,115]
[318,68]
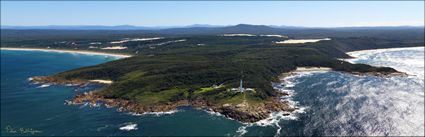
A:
[243,112]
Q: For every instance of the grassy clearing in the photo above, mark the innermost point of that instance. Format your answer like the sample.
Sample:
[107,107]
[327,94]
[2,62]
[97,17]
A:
[239,98]
[150,98]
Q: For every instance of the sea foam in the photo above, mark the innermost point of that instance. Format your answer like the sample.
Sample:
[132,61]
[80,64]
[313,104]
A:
[285,86]
[364,105]
[43,86]
[349,105]
[128,127]
[155,113]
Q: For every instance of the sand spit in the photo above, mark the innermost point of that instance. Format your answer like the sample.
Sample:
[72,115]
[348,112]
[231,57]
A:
[69,51]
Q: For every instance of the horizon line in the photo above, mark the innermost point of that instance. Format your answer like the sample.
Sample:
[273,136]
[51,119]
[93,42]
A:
[212,25]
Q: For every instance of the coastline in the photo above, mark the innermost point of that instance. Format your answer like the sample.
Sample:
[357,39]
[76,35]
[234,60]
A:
[242,112]
[299,70]
[357,55]
[351,53]
[311,69]
[68,51]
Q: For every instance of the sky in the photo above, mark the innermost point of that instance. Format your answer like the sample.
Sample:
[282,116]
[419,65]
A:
[181,13]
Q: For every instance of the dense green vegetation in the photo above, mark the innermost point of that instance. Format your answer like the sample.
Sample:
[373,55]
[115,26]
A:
[189,68]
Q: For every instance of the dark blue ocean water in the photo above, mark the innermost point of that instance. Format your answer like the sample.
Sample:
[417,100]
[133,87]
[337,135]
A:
[333,103]
[343,104]
[23,105]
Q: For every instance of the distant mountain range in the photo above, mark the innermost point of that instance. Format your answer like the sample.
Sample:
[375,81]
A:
[101,27]
[205,26]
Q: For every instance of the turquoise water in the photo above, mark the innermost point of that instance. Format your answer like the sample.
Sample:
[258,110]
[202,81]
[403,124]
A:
[333,103]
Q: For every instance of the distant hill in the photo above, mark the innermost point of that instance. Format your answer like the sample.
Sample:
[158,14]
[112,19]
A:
[397,32]
[101,27]
[82,27]
[196,26]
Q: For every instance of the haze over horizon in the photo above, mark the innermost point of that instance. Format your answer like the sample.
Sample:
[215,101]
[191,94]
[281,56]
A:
[201,25]
[172,14]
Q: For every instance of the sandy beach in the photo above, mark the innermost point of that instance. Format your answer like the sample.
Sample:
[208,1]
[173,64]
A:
[69,51]
[102,81]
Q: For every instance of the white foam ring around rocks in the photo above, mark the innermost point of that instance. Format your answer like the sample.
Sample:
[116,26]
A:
[285,86]
[155,113]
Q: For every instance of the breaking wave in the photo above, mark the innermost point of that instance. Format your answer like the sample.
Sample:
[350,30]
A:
[213,113]
[345,104]
[334,103]
[43,86]
[408,60]
[286,86]
[155,113]
[128,127]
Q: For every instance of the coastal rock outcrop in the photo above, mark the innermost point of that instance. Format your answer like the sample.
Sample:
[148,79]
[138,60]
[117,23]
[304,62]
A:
[241,112]
[253,113]
[52,80]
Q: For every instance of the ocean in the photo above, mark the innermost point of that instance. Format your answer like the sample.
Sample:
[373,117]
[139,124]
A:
[331,103]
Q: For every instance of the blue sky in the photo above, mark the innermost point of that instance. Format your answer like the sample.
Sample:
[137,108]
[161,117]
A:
[175,13]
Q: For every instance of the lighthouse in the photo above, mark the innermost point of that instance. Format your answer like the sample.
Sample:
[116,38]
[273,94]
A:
[241,89]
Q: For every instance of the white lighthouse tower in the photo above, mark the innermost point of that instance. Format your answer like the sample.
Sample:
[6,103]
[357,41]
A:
[241,89]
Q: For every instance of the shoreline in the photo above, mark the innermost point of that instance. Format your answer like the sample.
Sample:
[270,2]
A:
[241,113]
[68,51]
[299,70]
[311,69]
[380,50]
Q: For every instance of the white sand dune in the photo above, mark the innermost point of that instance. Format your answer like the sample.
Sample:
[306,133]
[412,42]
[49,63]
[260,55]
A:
[168,42]
[101,81]
[135,39]
[279,36]
[236,35]
[95,43]
[300,41]
[115,48]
